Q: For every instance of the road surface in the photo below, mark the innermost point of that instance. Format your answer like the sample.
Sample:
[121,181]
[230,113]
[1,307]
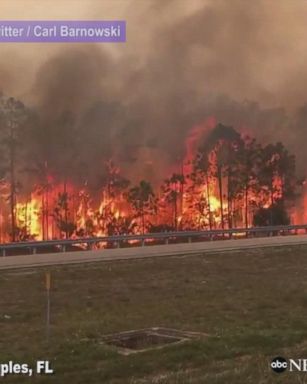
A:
[41,260]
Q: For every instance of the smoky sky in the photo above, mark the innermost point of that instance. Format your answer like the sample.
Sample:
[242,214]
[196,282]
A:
[184,61]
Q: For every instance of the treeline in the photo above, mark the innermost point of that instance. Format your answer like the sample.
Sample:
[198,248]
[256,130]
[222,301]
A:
[229,181]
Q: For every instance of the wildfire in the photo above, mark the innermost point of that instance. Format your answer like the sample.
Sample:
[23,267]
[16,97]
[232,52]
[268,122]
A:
[28,219]
[214,204]
[213,189]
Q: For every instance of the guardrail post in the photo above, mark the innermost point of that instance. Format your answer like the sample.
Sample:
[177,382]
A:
[143,242]
[189,239]
[166,240]
[63,248]
[3,252]
[118,244]
[34,250]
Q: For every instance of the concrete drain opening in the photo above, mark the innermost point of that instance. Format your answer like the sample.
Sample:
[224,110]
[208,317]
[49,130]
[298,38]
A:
[147,339]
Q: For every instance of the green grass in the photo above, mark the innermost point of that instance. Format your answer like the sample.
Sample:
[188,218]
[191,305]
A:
[253,304]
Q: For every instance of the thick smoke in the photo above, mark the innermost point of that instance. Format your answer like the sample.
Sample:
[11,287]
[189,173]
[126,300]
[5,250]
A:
[243,62]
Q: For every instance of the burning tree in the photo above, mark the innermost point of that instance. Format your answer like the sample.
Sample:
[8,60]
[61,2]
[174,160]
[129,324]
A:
[142,199]
[112,213]
[248,168]
[226,180]
[215,170]
[242,173]
[172,191]
[13,115]
[62,215]
[277,184]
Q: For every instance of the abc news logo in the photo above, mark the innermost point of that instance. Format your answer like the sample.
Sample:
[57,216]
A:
[280,364]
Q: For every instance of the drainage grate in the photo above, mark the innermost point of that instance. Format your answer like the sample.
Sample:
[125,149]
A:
[146,339]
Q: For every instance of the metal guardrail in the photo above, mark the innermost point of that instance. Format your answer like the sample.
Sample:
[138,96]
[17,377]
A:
[117,240]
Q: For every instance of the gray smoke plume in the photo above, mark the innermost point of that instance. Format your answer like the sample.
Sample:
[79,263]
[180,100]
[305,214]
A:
[184,61]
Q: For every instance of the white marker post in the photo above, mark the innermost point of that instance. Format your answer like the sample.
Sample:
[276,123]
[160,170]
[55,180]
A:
[48,286]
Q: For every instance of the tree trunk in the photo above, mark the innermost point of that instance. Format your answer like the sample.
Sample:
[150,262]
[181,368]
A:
[47,212]
[209,204]
[26,221]
[66,209]
[143,221]
[181,190]
[43,216]
[229,203]
[175,214]
[219,175]
[272,203]
[246,206]
[1,227]
[12,188]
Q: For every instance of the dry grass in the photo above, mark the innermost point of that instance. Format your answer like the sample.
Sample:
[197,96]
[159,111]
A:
[252,303]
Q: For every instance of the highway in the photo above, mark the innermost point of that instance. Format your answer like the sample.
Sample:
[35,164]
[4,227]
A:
[79,257]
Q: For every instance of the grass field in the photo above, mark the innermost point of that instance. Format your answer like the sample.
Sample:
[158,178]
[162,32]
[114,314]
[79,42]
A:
[253,304]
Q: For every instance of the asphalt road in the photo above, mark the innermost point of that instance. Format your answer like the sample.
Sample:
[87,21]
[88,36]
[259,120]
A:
[41,260]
